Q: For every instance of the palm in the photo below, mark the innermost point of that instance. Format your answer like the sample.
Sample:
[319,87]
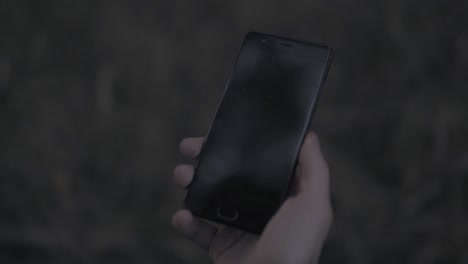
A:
[294,235]
[231,246]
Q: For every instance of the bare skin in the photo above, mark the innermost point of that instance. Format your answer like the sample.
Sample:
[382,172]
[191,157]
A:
[294,235]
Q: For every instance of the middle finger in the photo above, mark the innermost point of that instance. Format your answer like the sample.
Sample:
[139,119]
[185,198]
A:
[183,175]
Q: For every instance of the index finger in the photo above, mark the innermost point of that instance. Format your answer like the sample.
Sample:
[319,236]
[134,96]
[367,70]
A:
[191,147]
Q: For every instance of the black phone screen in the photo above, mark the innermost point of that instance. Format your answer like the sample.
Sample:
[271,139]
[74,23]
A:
[250,153]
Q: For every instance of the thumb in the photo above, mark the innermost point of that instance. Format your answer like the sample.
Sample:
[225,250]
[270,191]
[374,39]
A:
[298,230]
[312,174]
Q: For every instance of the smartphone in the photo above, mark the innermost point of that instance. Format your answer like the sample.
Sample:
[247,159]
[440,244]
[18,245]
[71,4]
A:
[251,150]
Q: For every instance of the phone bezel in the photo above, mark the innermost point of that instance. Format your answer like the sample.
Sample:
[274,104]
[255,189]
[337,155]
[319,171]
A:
[304,132]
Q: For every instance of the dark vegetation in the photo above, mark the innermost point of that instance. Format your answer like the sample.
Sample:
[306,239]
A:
[95,96]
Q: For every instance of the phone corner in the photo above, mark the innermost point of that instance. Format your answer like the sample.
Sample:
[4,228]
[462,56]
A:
[331,52]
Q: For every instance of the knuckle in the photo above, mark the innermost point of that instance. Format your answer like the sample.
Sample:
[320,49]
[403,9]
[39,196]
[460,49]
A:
[178,170]
[182,143]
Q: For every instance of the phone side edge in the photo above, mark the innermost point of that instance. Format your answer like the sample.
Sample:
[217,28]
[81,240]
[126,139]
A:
[201,154]
[311,114]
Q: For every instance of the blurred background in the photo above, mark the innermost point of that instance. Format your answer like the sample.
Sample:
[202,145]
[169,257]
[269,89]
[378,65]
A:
[95,96]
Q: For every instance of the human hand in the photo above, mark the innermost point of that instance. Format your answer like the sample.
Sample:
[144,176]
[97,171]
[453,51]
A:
[294,235]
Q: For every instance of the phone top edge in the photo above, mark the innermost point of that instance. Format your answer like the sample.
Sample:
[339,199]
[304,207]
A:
[253,33]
